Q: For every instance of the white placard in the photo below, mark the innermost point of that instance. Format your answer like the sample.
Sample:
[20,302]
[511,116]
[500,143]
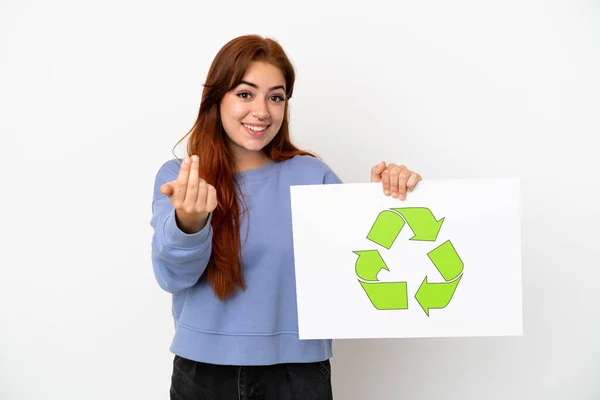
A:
[444,262]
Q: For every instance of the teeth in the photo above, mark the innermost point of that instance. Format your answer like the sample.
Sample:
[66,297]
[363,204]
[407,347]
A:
[256,128]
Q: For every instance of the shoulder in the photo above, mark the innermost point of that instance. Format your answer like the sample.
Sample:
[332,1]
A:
[312,168]
[307,162]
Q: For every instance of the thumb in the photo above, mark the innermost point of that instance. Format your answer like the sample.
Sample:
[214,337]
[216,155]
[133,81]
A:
[376,171]
[167,189]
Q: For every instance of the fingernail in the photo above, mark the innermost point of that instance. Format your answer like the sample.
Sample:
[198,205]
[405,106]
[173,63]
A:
[394,194]
[186,161]
[402,197]
[387,192]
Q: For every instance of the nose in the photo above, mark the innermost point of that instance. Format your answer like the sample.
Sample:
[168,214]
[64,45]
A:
[260,109]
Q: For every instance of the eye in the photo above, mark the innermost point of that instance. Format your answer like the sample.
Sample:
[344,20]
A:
[277,98]
[244,95]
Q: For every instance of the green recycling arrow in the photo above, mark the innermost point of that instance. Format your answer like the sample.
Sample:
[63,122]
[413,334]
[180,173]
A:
[422,222]
[435,295]
[446,260]
[368,264]
[450,266]
[387,295]
[383,295]
[393,295]
[386,228]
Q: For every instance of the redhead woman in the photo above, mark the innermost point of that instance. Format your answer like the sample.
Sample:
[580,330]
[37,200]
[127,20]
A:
[222,241]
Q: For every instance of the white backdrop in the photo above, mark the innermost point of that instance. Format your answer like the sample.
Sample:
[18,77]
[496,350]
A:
[93,95]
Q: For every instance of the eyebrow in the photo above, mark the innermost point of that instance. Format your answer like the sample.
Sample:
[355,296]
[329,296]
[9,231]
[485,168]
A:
[256,87]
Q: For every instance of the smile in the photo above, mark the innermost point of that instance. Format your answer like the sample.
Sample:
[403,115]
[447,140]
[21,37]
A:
[255,128]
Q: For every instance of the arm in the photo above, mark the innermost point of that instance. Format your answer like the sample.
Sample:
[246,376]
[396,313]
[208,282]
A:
[178,258]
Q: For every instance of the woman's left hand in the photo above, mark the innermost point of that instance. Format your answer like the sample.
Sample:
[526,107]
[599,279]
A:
[396,179]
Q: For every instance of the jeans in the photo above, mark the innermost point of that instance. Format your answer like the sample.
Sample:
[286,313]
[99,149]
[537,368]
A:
[193,380]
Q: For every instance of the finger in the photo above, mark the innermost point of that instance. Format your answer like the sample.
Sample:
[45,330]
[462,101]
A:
[211,198]
[191,194]
[376,172]
[202,194]
[412,181]
[394,172]
[402,179]
[385,179]
[168,188]
[181,183]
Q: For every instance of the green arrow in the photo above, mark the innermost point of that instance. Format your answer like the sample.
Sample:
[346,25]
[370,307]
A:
[422,222]
[435,295]
[386,228]
[446,260]
[368,264]
[387,295]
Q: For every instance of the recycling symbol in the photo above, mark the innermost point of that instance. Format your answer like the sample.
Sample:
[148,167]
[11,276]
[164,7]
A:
[394,295]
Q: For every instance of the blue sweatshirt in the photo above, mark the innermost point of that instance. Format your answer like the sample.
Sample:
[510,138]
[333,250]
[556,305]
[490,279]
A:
[258,326]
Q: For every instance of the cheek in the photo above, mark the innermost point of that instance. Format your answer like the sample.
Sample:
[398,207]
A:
[239,110]
[233,110]
[277,114]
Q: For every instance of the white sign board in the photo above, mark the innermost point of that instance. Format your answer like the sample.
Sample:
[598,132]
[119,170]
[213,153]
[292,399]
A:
[444,262]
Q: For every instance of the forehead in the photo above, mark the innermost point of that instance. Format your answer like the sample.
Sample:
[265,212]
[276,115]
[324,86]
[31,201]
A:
[264,75]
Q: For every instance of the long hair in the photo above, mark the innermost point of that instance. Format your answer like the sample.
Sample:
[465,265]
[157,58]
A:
[217,163]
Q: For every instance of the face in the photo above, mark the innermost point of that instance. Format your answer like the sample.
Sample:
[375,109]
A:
[252,112]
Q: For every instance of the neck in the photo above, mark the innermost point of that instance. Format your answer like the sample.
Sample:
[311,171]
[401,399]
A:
[250,160]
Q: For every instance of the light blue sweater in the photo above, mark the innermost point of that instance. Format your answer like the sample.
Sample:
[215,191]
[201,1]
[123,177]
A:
[258,326]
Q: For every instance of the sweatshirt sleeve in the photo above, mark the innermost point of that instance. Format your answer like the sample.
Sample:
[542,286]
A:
[178,258]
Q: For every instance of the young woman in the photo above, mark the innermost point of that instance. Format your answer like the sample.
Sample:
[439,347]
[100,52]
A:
[222,242]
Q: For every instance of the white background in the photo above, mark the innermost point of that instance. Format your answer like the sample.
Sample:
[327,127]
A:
[481,220]
[94,95]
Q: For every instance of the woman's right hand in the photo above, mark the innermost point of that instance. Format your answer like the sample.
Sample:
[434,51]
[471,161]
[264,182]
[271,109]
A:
[193,199]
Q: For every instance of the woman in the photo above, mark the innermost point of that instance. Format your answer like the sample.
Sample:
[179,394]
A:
[222,242]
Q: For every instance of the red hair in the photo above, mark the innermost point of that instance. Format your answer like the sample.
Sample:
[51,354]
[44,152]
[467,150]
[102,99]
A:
[217,163]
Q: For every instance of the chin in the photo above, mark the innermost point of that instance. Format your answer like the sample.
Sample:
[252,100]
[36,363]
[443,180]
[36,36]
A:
[256,145]
[249,147]
[254,149]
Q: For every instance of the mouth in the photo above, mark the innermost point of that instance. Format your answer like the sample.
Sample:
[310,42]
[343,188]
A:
[255,130]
